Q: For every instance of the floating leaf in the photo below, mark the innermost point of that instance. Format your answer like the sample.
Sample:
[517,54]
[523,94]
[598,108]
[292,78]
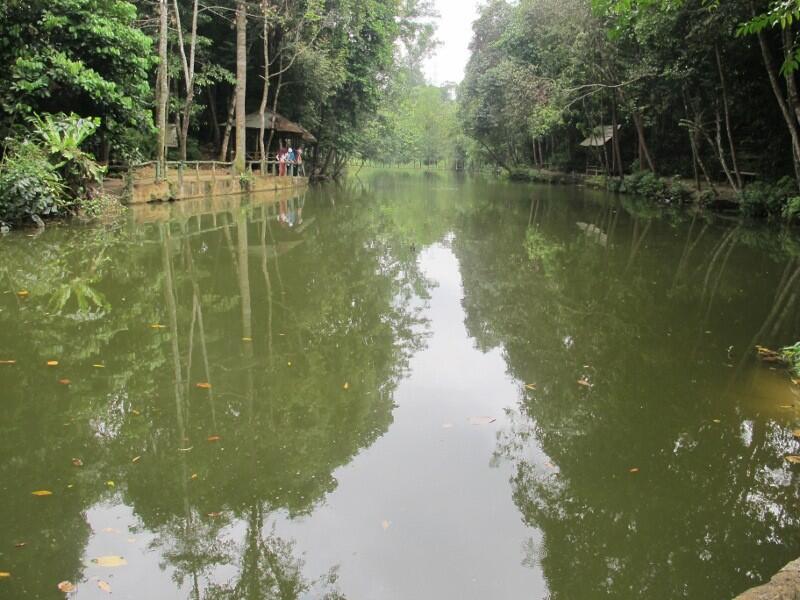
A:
[247,339]
[203,385]
[157,326]
[20,545]
[77,462]
[66,587]
[52,363]
[99,366]
[136,459]
[633,470]
[42,493]
[584,382]
[135,412]
[530,386]
[185,449]
[64,381]
[796,433]
[110,484]
[385,524]
[289,364]
[214,515]
[214,438]
[481,420]
[4,574]
[23,293]
[103,585]
[792,458]
[8,362]
[109,561]
[194,476]
[346,386]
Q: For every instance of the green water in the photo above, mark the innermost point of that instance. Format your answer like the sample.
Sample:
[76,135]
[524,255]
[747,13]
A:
[343,339]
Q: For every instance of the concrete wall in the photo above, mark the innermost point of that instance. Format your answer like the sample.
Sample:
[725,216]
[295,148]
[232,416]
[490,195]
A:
[785,585]
[193,185]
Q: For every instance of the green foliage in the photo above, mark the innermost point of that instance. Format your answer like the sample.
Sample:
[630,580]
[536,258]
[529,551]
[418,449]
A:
[769,200]
[652,187]
[791,354]
[30,184]
[542,253]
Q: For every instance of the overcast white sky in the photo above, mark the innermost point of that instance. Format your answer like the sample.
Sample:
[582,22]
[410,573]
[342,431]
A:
[455,33]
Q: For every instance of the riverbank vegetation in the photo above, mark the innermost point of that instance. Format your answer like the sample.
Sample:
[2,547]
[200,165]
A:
[702,90]
[148,71]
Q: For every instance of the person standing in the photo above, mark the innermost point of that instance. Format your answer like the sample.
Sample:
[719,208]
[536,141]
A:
[290,158]
[301,168]
[281,161]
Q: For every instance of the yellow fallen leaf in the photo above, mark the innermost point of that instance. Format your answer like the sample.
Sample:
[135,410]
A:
[289,364]
[633,470]
[109,561]
[136,459]
[77,462]
[99,366]
[52,363]
[194,476]
[346,386]
[203,385]
[4,574]
[385,524]
[42,493]
[23,293]
[247,339]
[110,483]
[104,586]
[66,587]
[530,386]
[135,412]
[157,326]
[214,438]
[214,515]
[792,458]
[716,421]
[8,362]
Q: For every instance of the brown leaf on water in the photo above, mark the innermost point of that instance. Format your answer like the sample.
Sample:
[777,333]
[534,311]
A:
[64,381]
[157,326]
[20,545]
[42,493]
[530,386]
[136,459]
[214,438]
[23,293]
[385,524]
[8,362]
[792,458]
[194,476]
[52,363]
[481,420]
[716,421]
[214,515]
[4,574]
[346,386]
[203,385]
[584,382]
[633,470]
[109,561]
[77,462]
[103,585]
[796,433]
[66,587]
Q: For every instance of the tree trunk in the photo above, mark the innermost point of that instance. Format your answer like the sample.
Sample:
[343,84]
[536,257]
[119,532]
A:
[162,90]
[726,110]
[615,138]
[637,121]
[240,158]
[788,117]
[226,138]
[212,107]
[262,154]
[188,71]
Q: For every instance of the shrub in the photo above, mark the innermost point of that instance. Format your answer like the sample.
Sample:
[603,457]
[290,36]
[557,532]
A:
[767,200]
[652,187]
[30,185]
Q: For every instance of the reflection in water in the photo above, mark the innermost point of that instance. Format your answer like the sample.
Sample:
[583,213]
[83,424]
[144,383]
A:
[645,457]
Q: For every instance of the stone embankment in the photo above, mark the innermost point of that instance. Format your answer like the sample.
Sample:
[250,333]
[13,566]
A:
[785,585]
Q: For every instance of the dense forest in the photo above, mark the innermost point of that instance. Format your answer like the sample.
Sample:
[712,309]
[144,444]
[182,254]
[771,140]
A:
[699,89]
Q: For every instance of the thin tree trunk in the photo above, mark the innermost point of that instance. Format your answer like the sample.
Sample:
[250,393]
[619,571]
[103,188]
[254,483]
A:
[262,155]
[212,107]
[188,71]
[226,138]
[637,121]
[615,138]
[726,110]
[240,158]
[788,117]
[162,89]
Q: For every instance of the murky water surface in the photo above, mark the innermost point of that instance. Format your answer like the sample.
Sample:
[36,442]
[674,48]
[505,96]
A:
[405,387]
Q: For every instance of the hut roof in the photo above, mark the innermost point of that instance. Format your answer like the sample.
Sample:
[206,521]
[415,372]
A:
[600,136]
[278,122]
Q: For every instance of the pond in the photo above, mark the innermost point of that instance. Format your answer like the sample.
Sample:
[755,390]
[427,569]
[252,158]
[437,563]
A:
[405,386]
